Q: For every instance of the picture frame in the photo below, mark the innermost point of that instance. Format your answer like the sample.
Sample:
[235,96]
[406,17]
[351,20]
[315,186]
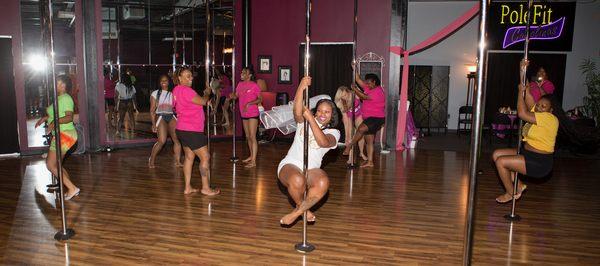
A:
[284,75]
[264,64]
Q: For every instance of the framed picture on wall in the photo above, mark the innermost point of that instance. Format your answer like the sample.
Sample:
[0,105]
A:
[285,75]
[264,64]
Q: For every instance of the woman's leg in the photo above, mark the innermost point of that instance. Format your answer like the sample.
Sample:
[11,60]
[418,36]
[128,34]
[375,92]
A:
[225,108]
[347,131]
[252,142]
[122,110]
[505,165]
[503,152]
[246,125]
[52,166]
[130,111]
[360,132]
[361,143]
[188,164]
[176,143]
[204,156]
[293,179]
[369,141]
[160,142]
[318,184]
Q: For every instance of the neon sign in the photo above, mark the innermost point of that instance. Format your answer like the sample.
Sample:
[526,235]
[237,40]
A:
[546,32]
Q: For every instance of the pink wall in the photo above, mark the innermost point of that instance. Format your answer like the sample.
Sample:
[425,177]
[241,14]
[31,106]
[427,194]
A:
[278,28]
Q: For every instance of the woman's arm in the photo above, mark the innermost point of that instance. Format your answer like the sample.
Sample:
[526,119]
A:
[153,112]
[359,93]
[256,101]
[524,113]
[324,141]
[359,81]
[299,99]
[41,121]
[202,100]
[68,118]
[529,101]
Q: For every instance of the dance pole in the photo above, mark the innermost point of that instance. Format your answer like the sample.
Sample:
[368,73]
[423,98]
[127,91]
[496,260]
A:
[233,158]
[207,82]
[65,233]
[352,164]
[304,246]
[512,216]
[476,133]
[212,64]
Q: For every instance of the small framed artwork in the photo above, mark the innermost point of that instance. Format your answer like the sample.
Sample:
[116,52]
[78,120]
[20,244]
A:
[264,64]
[285,75]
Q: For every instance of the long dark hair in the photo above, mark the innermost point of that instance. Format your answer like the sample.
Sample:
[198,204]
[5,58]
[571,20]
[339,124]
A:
[584,139]
[126,80]
[335,113]
[170,86]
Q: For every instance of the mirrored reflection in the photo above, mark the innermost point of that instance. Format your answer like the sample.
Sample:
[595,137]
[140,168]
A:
[36,68]
[143,41]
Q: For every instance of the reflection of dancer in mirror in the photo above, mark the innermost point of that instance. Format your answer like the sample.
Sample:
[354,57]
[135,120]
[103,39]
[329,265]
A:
[190,129]
[109,98]
[226,91]
[163,121]
[541,86]
[68,133]
[343,100]
[373,113]
[125,95]
[248,94]
[322,137]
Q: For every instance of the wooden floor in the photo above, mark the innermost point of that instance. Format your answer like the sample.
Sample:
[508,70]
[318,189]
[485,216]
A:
[409,209]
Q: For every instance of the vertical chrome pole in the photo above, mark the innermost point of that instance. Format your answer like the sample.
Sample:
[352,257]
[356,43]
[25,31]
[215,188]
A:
[304,246]
[212,55]
[174,55]
[233,158]
[476,133]
[352,164]
[512,216]
[65,233]
[207,80]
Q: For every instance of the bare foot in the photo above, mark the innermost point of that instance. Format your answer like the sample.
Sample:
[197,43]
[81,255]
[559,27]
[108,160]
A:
[504,198]
[310,217]
[347,150]
[178,164]
[367,164]
[210,191]
[250,164]
[190,191]
[151,164]
[247,159]
[364,157]
[290,217]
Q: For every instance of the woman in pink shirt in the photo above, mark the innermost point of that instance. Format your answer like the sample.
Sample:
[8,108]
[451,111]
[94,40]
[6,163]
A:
[226,92]
[373,113]
[190,129]
[541,86]
[248,94]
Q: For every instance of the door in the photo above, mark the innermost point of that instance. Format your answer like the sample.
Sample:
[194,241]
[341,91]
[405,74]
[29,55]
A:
[9,137]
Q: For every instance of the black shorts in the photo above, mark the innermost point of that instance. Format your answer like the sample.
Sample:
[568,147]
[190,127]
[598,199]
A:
[167,117]
[248,118]
[109,101]
[191,139]
[537,164]
[374,124]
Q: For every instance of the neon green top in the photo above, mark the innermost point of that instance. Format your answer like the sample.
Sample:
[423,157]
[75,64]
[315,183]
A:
[65,104]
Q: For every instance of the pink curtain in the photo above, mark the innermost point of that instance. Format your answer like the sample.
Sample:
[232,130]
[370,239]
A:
[434,39]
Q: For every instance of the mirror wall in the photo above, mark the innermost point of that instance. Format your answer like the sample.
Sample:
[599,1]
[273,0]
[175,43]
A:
[38,94]
[143,40]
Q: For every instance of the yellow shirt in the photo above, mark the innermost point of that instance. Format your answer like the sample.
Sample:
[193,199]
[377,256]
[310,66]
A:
[542,134]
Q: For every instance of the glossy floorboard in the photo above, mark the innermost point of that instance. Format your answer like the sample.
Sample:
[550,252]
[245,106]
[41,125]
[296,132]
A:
[409,209]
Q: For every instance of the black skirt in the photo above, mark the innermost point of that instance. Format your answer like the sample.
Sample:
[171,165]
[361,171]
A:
[537,164]
[191,139]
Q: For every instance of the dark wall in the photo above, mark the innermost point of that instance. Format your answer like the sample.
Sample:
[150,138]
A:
[278,28]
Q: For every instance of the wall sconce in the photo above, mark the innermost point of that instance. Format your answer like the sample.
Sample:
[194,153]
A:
[472,68]
[228,50]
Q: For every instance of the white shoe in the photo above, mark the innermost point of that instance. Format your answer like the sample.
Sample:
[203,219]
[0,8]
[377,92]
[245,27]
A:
[73,195]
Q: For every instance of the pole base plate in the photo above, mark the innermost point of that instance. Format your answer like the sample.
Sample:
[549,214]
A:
[512,218]
[304,247]
[60,235]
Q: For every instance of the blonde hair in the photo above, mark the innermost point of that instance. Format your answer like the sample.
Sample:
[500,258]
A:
[341,98]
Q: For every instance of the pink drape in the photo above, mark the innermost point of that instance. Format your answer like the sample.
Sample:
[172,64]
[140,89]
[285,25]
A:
[443,33]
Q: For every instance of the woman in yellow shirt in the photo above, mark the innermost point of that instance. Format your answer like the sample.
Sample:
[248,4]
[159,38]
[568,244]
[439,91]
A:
[539,137]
